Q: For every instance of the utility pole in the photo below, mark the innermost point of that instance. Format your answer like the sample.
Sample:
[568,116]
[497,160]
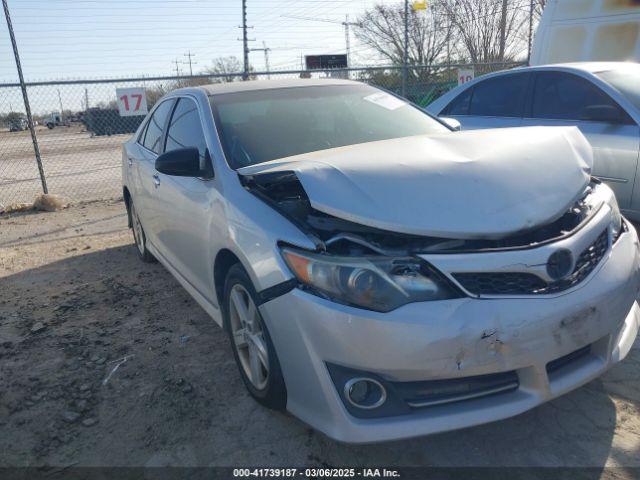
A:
[86,99]
[177,64]
[61,108]
[266,56]
[23,87]
[449,28]
[405,55]
[531,10]
[189,55]
[347,38]
[503,30]
[245,42]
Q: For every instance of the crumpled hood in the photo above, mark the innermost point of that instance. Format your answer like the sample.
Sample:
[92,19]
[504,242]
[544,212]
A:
[469,184]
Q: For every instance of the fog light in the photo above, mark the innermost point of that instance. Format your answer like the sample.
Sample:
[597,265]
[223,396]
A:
[365,393]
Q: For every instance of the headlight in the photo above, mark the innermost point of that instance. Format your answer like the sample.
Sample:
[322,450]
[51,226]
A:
[374,283]
[616,218]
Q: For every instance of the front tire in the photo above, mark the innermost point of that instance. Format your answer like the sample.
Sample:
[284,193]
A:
[139,237]
[251,343]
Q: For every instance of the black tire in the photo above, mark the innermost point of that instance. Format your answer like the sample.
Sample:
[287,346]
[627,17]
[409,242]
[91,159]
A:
[274,394]
[139,237]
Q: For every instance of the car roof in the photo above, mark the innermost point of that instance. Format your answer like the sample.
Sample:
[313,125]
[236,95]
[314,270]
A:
[588,67]
[591,67]
[253,85]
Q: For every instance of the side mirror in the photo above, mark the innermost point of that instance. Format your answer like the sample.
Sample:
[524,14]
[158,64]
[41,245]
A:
[183,162]
[452,123]
[602,113]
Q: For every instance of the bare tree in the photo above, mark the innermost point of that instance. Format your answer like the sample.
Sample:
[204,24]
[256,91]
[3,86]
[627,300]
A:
[155,93]
[382,29]
[488,30]
[226,66]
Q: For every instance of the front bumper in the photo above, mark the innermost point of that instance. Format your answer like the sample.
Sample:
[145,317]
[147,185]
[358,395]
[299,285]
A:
[455,339]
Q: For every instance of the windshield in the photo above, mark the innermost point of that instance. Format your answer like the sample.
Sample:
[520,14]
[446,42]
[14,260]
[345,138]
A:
[262,125]
[626,80]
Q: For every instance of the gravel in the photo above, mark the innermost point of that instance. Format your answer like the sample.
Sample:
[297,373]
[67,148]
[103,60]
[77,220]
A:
[178,399]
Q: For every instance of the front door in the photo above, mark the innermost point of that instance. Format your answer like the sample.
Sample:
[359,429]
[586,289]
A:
[564,99]
[184,203]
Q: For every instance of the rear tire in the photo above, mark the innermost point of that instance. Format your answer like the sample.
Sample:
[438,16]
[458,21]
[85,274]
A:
[251,343]
[139,237]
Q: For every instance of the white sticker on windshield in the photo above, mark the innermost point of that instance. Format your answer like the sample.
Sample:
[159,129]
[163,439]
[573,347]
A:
[385,100]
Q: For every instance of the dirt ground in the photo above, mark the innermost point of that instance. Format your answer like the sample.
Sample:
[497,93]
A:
[106,361]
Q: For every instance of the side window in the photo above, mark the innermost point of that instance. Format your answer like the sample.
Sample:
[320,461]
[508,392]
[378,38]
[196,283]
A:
[501,96]
[155,128]
[185,129]
[564,96]
[460,104]
[143,132]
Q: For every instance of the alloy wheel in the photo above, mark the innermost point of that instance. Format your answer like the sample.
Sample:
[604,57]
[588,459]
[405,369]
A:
[248,336]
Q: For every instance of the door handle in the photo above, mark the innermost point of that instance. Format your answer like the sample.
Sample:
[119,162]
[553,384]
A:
[129,161]
[156,180]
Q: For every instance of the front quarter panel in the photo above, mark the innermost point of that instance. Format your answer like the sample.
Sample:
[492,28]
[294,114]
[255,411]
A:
[254,231]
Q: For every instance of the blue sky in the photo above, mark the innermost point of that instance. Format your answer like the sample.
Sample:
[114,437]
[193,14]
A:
[113,38]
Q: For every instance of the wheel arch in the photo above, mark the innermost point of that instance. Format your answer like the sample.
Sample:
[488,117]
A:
[126,195]
[225,259]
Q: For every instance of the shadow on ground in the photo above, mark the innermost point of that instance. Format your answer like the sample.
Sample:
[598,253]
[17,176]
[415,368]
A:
[108,361]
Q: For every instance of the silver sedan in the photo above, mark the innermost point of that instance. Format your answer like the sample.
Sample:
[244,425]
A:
[379,275]
[601,99]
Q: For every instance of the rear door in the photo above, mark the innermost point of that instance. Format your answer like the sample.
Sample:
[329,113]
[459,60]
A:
[184,203]
[492,103]
[565,99]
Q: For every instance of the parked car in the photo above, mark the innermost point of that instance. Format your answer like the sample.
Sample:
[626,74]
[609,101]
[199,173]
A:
[55,120]
[379,275]
[601,99]
[18,125]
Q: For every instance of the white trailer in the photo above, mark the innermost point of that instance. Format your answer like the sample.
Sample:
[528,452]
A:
[588,30]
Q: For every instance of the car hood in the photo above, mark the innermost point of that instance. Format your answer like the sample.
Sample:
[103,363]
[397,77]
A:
[473,184]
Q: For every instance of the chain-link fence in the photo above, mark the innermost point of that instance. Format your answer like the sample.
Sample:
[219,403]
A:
[80,131]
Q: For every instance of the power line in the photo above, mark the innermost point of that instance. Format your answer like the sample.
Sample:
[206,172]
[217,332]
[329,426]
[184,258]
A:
[190,62]
[346,24]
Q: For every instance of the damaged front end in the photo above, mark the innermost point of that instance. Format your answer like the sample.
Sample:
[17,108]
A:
[284,192]
[379,270]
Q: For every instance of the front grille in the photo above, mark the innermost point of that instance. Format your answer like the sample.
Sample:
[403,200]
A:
[523,283]
[438,392]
